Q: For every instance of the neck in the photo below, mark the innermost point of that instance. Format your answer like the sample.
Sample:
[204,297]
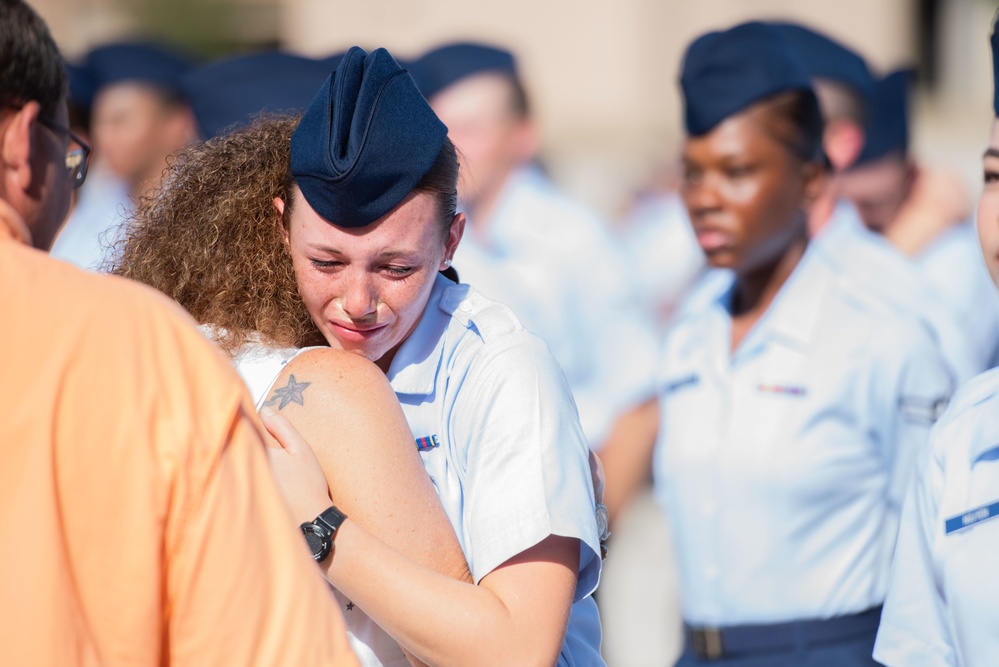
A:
[12,225]
[755,290]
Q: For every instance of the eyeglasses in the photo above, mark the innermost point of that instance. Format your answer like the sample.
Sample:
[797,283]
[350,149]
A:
[77,159]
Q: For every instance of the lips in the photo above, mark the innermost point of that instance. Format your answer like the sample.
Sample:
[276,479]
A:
[356,333]
[712,239]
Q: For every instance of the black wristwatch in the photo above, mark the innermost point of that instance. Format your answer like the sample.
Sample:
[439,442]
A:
[320,531]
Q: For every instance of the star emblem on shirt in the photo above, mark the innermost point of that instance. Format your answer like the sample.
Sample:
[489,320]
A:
[350,606]
[290,393]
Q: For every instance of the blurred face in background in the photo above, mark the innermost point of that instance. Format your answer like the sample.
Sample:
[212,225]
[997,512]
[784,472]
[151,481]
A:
[135,128]
[878,189]
[988,206]
[746,192]
[492,137]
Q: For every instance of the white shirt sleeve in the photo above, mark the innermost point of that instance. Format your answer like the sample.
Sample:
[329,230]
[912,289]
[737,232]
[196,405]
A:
[526,469]
[914,630]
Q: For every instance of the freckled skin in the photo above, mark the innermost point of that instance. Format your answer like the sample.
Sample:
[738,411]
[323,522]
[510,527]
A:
[366,288]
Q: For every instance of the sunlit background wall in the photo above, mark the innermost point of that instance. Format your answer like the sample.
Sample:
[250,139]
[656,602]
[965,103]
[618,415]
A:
[602,74]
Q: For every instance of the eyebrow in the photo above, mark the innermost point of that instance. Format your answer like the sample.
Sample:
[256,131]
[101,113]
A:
[991,152]
[386,254]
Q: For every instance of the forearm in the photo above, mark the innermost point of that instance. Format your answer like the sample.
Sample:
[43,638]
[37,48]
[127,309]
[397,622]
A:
[449,622]
[627,456]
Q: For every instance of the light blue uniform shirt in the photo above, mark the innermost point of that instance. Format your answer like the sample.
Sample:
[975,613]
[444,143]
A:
[564,275]
[953,265]
[92,227]
[500,438]
[782,466]
[873,262]
[942,605]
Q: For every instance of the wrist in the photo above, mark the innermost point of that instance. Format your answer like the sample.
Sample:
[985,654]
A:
[320,533]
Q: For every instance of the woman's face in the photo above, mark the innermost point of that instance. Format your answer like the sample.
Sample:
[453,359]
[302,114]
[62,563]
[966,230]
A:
[745,191]
[988,205]
[366,288]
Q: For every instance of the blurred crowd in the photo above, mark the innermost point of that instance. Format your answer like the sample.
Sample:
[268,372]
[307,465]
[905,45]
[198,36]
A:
[625,305]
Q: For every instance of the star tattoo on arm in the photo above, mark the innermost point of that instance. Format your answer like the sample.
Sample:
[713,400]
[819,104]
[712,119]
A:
[290,393]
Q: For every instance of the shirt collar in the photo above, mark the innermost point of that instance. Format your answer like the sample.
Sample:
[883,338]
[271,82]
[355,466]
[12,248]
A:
[987,439]
[794,313]
[416,363]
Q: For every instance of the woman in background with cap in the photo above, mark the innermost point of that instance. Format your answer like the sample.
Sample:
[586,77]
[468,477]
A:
[941,604]
[782,449]
[368,218]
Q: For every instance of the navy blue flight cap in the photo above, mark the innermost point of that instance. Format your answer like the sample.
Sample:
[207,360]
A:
[826,58]
[446,65]
[888,119]
[225,95]
[366,141]
[137,62]
[81,85]
[994,42]
[723,73]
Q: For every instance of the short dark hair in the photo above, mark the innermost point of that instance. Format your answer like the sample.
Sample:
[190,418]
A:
[800,110]
[31,68]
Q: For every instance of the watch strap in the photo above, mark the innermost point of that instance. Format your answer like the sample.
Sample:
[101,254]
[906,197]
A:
[331,519]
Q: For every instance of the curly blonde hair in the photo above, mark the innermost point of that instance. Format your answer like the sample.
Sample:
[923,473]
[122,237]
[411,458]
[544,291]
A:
[209,238]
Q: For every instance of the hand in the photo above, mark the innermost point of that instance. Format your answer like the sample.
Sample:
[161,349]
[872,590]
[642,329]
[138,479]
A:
[937,202]
[296,468]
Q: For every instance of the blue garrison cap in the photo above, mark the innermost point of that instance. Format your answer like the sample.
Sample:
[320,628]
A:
[994,42]
[81,85]
[366,141]
[888,119]
[445,65]
[140,62]
[226,94]
[723,73]
[825,58]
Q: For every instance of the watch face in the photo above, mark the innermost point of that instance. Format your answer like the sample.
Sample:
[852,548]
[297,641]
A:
[318,540]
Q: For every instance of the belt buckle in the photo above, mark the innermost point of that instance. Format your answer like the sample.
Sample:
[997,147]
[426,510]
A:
[707,643]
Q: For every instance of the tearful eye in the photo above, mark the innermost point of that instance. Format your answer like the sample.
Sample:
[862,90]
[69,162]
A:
[324,264]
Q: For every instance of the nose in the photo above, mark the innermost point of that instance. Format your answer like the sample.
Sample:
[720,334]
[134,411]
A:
[359,299]
[701,196]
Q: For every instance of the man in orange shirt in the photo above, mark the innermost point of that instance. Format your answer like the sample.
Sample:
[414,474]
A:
[139,523]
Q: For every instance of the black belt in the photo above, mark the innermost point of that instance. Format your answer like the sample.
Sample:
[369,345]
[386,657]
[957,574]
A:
[715,643]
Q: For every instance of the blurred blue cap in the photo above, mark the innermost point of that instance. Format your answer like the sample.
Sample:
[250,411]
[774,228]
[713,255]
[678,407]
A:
[826,58]
[445,65]
[888,118]
[139,62]
[225,95]
[725,72]
[81,85]
[366,141]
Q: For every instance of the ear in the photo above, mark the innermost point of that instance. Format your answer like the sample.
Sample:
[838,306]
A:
[526,140]
[182,128]
[279,209]
[815,181]
[15,145]
[843,141]
[454,234]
